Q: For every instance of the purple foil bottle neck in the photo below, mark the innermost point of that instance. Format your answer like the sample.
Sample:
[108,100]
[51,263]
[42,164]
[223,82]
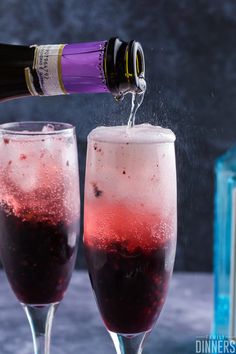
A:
[82,67]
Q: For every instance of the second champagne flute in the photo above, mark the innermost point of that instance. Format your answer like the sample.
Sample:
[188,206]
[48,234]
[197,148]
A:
[39,217]
[130,227]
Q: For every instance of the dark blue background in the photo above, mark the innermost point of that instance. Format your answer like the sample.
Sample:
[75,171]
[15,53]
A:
[190,49]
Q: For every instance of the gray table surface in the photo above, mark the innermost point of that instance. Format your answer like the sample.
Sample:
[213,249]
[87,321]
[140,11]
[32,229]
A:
[78,327]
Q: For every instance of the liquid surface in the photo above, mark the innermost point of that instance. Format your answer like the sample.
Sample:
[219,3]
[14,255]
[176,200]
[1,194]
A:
[140,134]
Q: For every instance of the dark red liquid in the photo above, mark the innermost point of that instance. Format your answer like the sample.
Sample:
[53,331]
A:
[130,287]
[37,257]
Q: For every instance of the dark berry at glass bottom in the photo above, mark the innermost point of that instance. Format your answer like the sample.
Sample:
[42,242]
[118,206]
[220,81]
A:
[38,257]
[130,287]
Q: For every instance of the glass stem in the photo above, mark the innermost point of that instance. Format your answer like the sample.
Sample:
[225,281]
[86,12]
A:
[128,343]
[40,320]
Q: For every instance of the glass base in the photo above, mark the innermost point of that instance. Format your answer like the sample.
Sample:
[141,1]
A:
[129,343]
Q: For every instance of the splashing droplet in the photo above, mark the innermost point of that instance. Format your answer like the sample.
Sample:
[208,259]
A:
[119,97]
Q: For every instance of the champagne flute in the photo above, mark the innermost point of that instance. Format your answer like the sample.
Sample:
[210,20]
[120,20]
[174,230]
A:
[39,217]
[130,227]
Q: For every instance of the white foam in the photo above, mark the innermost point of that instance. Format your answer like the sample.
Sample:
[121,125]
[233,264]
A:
[141,133]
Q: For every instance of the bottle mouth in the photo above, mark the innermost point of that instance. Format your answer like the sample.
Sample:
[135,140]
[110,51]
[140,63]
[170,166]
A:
[124,67]
[136,65]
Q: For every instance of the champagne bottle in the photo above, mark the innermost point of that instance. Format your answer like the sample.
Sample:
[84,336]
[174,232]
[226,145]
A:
[46,70]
